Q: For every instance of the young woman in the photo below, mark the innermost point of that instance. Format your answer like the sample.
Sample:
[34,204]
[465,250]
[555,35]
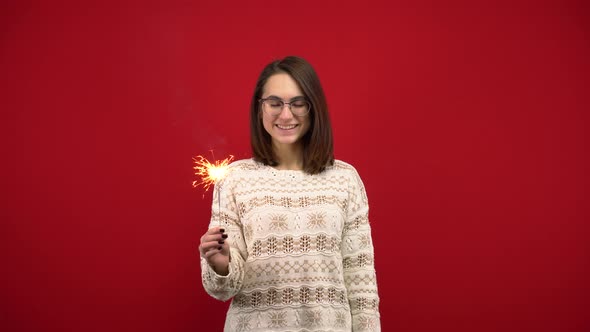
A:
[294,248]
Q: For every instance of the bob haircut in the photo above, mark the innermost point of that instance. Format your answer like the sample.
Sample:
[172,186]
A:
[318,143]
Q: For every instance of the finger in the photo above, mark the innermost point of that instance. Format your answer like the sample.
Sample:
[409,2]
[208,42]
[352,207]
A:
[216,230]
[213,252]
[207,246]
[220,236]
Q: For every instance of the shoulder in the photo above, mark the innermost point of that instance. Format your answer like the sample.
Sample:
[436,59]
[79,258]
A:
[244,164]
[339,164]
[355,183]
[343,167]
[240,170]
[346,170]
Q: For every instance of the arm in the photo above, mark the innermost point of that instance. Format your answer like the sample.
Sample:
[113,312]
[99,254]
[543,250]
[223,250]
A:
[358,260]
[222,285]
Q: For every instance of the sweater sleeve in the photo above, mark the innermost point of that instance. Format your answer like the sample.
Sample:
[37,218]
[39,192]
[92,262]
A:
[226,215]
[358,260]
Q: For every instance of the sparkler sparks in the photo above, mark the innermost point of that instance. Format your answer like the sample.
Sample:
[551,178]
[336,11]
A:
[210,173]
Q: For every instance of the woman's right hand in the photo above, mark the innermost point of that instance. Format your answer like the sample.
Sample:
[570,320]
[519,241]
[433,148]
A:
[215,250]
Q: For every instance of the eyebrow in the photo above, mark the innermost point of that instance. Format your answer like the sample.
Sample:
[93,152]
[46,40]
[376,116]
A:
[292,99]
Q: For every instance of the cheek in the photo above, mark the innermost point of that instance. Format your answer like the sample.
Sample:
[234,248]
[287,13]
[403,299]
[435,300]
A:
[306,125]
[266,121]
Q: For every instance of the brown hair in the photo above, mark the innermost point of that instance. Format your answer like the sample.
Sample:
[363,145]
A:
[318,144]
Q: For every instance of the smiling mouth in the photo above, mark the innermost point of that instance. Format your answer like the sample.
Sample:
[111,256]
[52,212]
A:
[285,127]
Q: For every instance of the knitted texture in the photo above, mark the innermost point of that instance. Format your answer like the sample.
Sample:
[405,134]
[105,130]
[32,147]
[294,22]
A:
[301,254]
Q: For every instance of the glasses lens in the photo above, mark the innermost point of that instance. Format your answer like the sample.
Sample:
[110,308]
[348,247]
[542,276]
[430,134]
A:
[300,107]
[273,106]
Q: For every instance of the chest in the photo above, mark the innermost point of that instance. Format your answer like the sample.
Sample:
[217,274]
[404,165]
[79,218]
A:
[291,207]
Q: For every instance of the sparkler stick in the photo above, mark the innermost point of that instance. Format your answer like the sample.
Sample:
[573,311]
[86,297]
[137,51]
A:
[211,174]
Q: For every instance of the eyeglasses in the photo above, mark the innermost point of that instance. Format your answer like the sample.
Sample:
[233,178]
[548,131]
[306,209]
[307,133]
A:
[274,106]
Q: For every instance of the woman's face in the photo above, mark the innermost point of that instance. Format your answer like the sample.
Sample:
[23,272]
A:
[284,128]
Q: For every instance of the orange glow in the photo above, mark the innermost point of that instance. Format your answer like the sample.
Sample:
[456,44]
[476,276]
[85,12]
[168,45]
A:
[209,172]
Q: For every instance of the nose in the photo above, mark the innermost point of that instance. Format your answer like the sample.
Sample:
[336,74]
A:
[286,114]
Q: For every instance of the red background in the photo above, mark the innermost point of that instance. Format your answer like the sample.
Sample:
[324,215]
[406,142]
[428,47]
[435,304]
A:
[467,123]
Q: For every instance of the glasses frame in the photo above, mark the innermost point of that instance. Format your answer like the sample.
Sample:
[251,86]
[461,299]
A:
[262,100]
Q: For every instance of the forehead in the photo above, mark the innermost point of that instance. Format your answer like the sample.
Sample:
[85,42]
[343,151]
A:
[281,85]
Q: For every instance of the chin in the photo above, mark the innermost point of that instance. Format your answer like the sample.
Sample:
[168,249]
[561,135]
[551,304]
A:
[286,140]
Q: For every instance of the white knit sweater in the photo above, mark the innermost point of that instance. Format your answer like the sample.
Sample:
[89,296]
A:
[301,250]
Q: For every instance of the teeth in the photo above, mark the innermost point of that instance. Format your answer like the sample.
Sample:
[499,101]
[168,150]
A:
[287,127]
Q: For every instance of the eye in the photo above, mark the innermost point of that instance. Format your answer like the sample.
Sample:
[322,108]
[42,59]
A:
[274,103]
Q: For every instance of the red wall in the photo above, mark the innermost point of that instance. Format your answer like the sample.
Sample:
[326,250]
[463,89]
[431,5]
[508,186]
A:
[468,124]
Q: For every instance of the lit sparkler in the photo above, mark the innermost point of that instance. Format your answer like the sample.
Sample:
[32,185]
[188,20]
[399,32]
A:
[211,174]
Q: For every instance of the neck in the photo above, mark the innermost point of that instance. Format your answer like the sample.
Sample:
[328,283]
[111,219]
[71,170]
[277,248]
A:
[290,157]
